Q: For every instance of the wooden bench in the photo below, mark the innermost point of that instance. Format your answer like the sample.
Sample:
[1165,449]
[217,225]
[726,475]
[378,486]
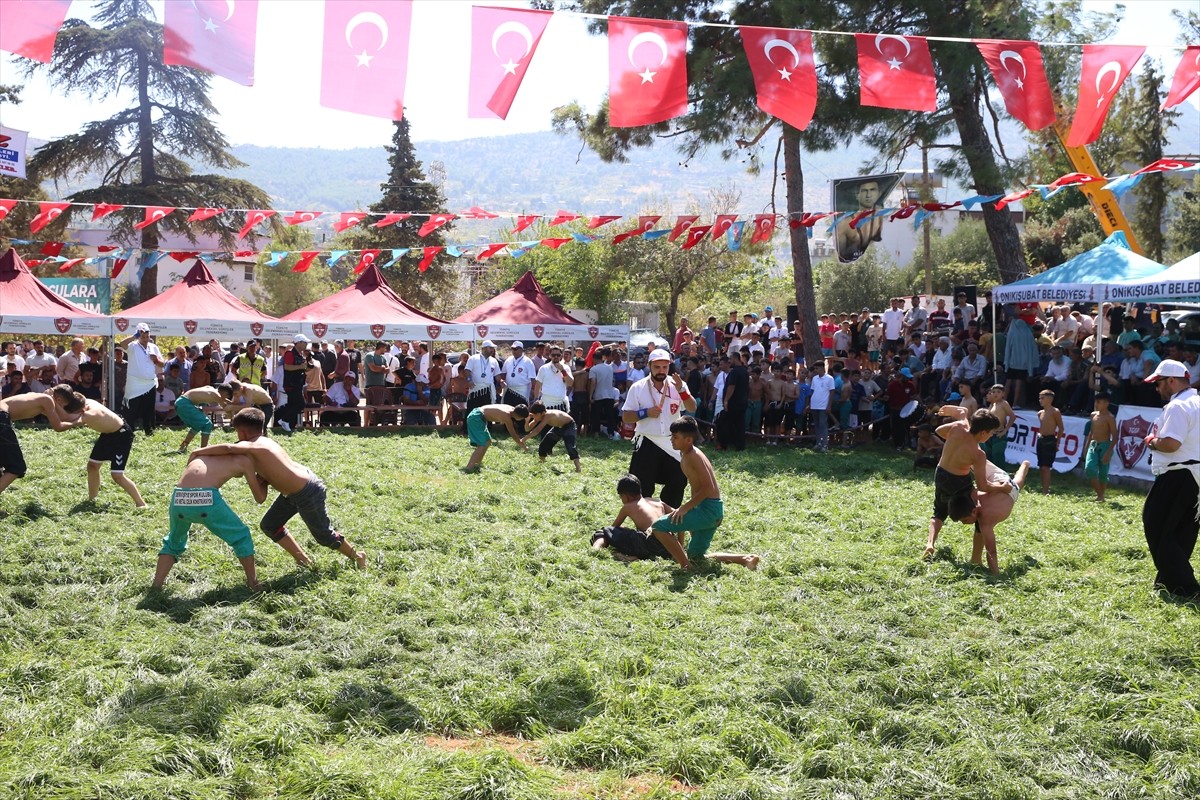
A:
[312,416]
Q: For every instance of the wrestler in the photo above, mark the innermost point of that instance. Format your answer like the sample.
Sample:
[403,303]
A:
[28,406]
[477,430]
[188,406]
[989,509]
[113,445]
[960,457]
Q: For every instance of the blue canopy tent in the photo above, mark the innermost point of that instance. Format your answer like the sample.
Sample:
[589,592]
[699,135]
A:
[1083,279]
[1178,283]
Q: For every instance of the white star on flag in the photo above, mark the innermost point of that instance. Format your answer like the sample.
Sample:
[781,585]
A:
[785,75]
[364,59]
[1020,83]
[210,26]
[893,63]
[647,76]
[510,67]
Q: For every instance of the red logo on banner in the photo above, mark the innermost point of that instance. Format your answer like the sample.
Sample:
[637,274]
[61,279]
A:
[377,331]
[593,331]
[62,324]
[256,328]
[481,330]
[538,330]
[1131,440]
[190,325]
[121,323]
[319,329]
[434,331]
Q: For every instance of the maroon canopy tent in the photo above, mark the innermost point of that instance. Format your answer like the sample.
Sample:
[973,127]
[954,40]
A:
[27,306]
[526,312]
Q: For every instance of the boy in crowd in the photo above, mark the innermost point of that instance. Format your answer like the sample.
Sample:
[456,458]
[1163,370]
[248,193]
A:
[1101,433]
[703,512]
[28,406]
[481,438]
[633,544]
[300,491]
[113,444]
[557,425]
[197,500]
[1050,430]
[996,446]
[960,457]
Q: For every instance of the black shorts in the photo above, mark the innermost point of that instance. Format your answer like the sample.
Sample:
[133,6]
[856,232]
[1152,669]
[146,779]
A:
[11,458]
[1016,374]
[773,414]
[946,486]
[114,447]
[1047,450]
[632,543]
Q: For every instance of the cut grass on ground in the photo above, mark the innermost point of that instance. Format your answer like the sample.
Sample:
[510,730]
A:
[488,653]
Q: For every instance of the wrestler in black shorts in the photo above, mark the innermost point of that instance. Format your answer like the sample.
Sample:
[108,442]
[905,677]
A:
[114,447]
[11,458]
[1047,450]
[632,543]
[946,486]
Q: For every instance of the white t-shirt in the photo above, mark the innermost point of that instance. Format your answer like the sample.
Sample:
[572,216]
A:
[822,386]
[893,323]
[644,395]
[164,399]
[519,373]
[1180,421]
[34,361]
[554,386]
[142,374]
[483,369]
[14,359]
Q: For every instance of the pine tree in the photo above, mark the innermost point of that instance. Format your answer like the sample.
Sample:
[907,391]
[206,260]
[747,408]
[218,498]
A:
[408,191]
[142,152]
[1148,136]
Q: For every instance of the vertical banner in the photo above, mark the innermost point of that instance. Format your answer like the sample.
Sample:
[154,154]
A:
[94,294]
[12,152]
[1023,435]
[860,197]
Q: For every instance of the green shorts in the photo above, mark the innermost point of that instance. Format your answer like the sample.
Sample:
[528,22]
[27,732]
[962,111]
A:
[701,522]
[477,429]
[1095,466]
[205,507]
[194,418]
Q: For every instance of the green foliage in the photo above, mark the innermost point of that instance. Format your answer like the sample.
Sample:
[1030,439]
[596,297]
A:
[278,290]
[961,258]
[490,653]
[1048,245]
[864,283]
[1183,230]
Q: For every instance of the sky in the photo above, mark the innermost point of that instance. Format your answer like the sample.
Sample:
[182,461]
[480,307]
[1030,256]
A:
[282,108]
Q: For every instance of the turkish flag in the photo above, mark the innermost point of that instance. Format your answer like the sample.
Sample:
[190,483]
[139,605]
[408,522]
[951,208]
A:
[365,260]
[6,206]
[434,222]
[301,216]
[216,36]
[201,214]
[66,265]
[645,223]
[554,244]
[722,224]
[490,251]
[1074,179]
[430,253]
[1164,165]
[1020,194]
[475,212]
[1187,77]
[647,71]
[391,218]
[364,59]
[255,217]
[52,248]
[563,217]
[102,210]
[1021,78]
[153,215]
[601,219]
[47,213]
[503,41]
[764,228]
[1105,68]
[306,259]
[785,74]
[29,27]
[348,220]
[896,72]
[524,221]
[694,235]
[682,223]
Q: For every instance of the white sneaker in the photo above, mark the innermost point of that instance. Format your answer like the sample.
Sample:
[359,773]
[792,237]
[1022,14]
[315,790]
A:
[616,437]
[285,426]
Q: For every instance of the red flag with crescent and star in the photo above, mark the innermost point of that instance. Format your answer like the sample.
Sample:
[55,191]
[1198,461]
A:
[301,217]
[524,221]
[647,71]
[255,216]
[434,222]
[102,210]
[1021,78]
[365,260]
[7,206]
[1187,77]
[29,27]
[428,255]
[896,72]
[201,214]
[216,36]
[503,41]
[47,213]
[349,219]
[1105,68]
[682,223]
[305,260]
[694,235]
[785,75]
[364,56]
[153,214]
[764,228]
[391,218]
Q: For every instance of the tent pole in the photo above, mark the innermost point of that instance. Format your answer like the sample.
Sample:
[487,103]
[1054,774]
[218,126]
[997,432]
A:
[995,354]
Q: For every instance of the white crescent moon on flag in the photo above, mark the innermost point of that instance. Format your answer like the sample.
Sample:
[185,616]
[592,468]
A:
[882,37]
[228,10]
[53,213]
[786,45]
[512,27]
[368,18]
[1115,68]
[1015,56]
[656,39]
[157,214]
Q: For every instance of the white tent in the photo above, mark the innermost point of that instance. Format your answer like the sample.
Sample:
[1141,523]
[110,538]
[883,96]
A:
[1179,282]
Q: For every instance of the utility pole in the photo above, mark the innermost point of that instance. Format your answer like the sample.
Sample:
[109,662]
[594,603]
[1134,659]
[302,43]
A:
[926,196]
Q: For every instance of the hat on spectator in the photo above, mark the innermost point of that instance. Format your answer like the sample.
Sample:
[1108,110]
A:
[142,328]
[660,355]
[906,372]
[768,308]
[487,343]
[953,396]
[352,375]
[1168,368]
[518,346]
[300,337]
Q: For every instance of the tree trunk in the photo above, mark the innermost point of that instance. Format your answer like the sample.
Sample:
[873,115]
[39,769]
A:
[977,149]
[806,297]
[148,280]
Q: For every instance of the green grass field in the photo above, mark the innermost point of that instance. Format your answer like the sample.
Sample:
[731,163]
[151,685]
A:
[488,653]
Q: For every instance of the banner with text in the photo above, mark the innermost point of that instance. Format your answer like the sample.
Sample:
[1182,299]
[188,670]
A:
[12,152]
[1023,435]
[94,294]
[1132,459]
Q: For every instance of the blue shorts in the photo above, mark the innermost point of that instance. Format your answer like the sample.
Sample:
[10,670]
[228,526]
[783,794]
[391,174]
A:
[701,522]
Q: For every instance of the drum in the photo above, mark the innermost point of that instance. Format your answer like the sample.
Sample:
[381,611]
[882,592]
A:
[909,412]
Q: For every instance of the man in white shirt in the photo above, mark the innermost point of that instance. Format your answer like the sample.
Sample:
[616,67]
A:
[39,359]
[1058,369]
[973,367]
[822,389]
[965,309]
[553,382]
[893,326]
[482,369]
[164,402]
[344,393]
[604,394]
[11,358]
[517,375]
[652,404]
[141,377]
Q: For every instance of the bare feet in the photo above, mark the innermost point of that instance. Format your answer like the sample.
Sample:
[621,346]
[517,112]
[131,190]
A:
[928,554]
[751,563]
[360,559]
[255,586]
[625,557]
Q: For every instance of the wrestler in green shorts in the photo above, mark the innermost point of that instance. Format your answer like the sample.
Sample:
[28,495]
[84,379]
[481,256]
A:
[477,429]
[701,521]
[196,420]
[1095,466]
[205,507]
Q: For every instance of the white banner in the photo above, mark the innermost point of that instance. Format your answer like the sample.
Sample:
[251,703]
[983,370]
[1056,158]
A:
[503,335]
[49,326]
[1132,458]
[202,328]
[1022,441]
[12,152]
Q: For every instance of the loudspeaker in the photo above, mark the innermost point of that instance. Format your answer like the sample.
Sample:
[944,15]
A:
[793,314]
[969,291]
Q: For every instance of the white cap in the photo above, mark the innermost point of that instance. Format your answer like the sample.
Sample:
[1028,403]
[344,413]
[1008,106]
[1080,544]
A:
[142,328]
[299,337]
[1168,368]
[518,346]
[487,343]
[660,355]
